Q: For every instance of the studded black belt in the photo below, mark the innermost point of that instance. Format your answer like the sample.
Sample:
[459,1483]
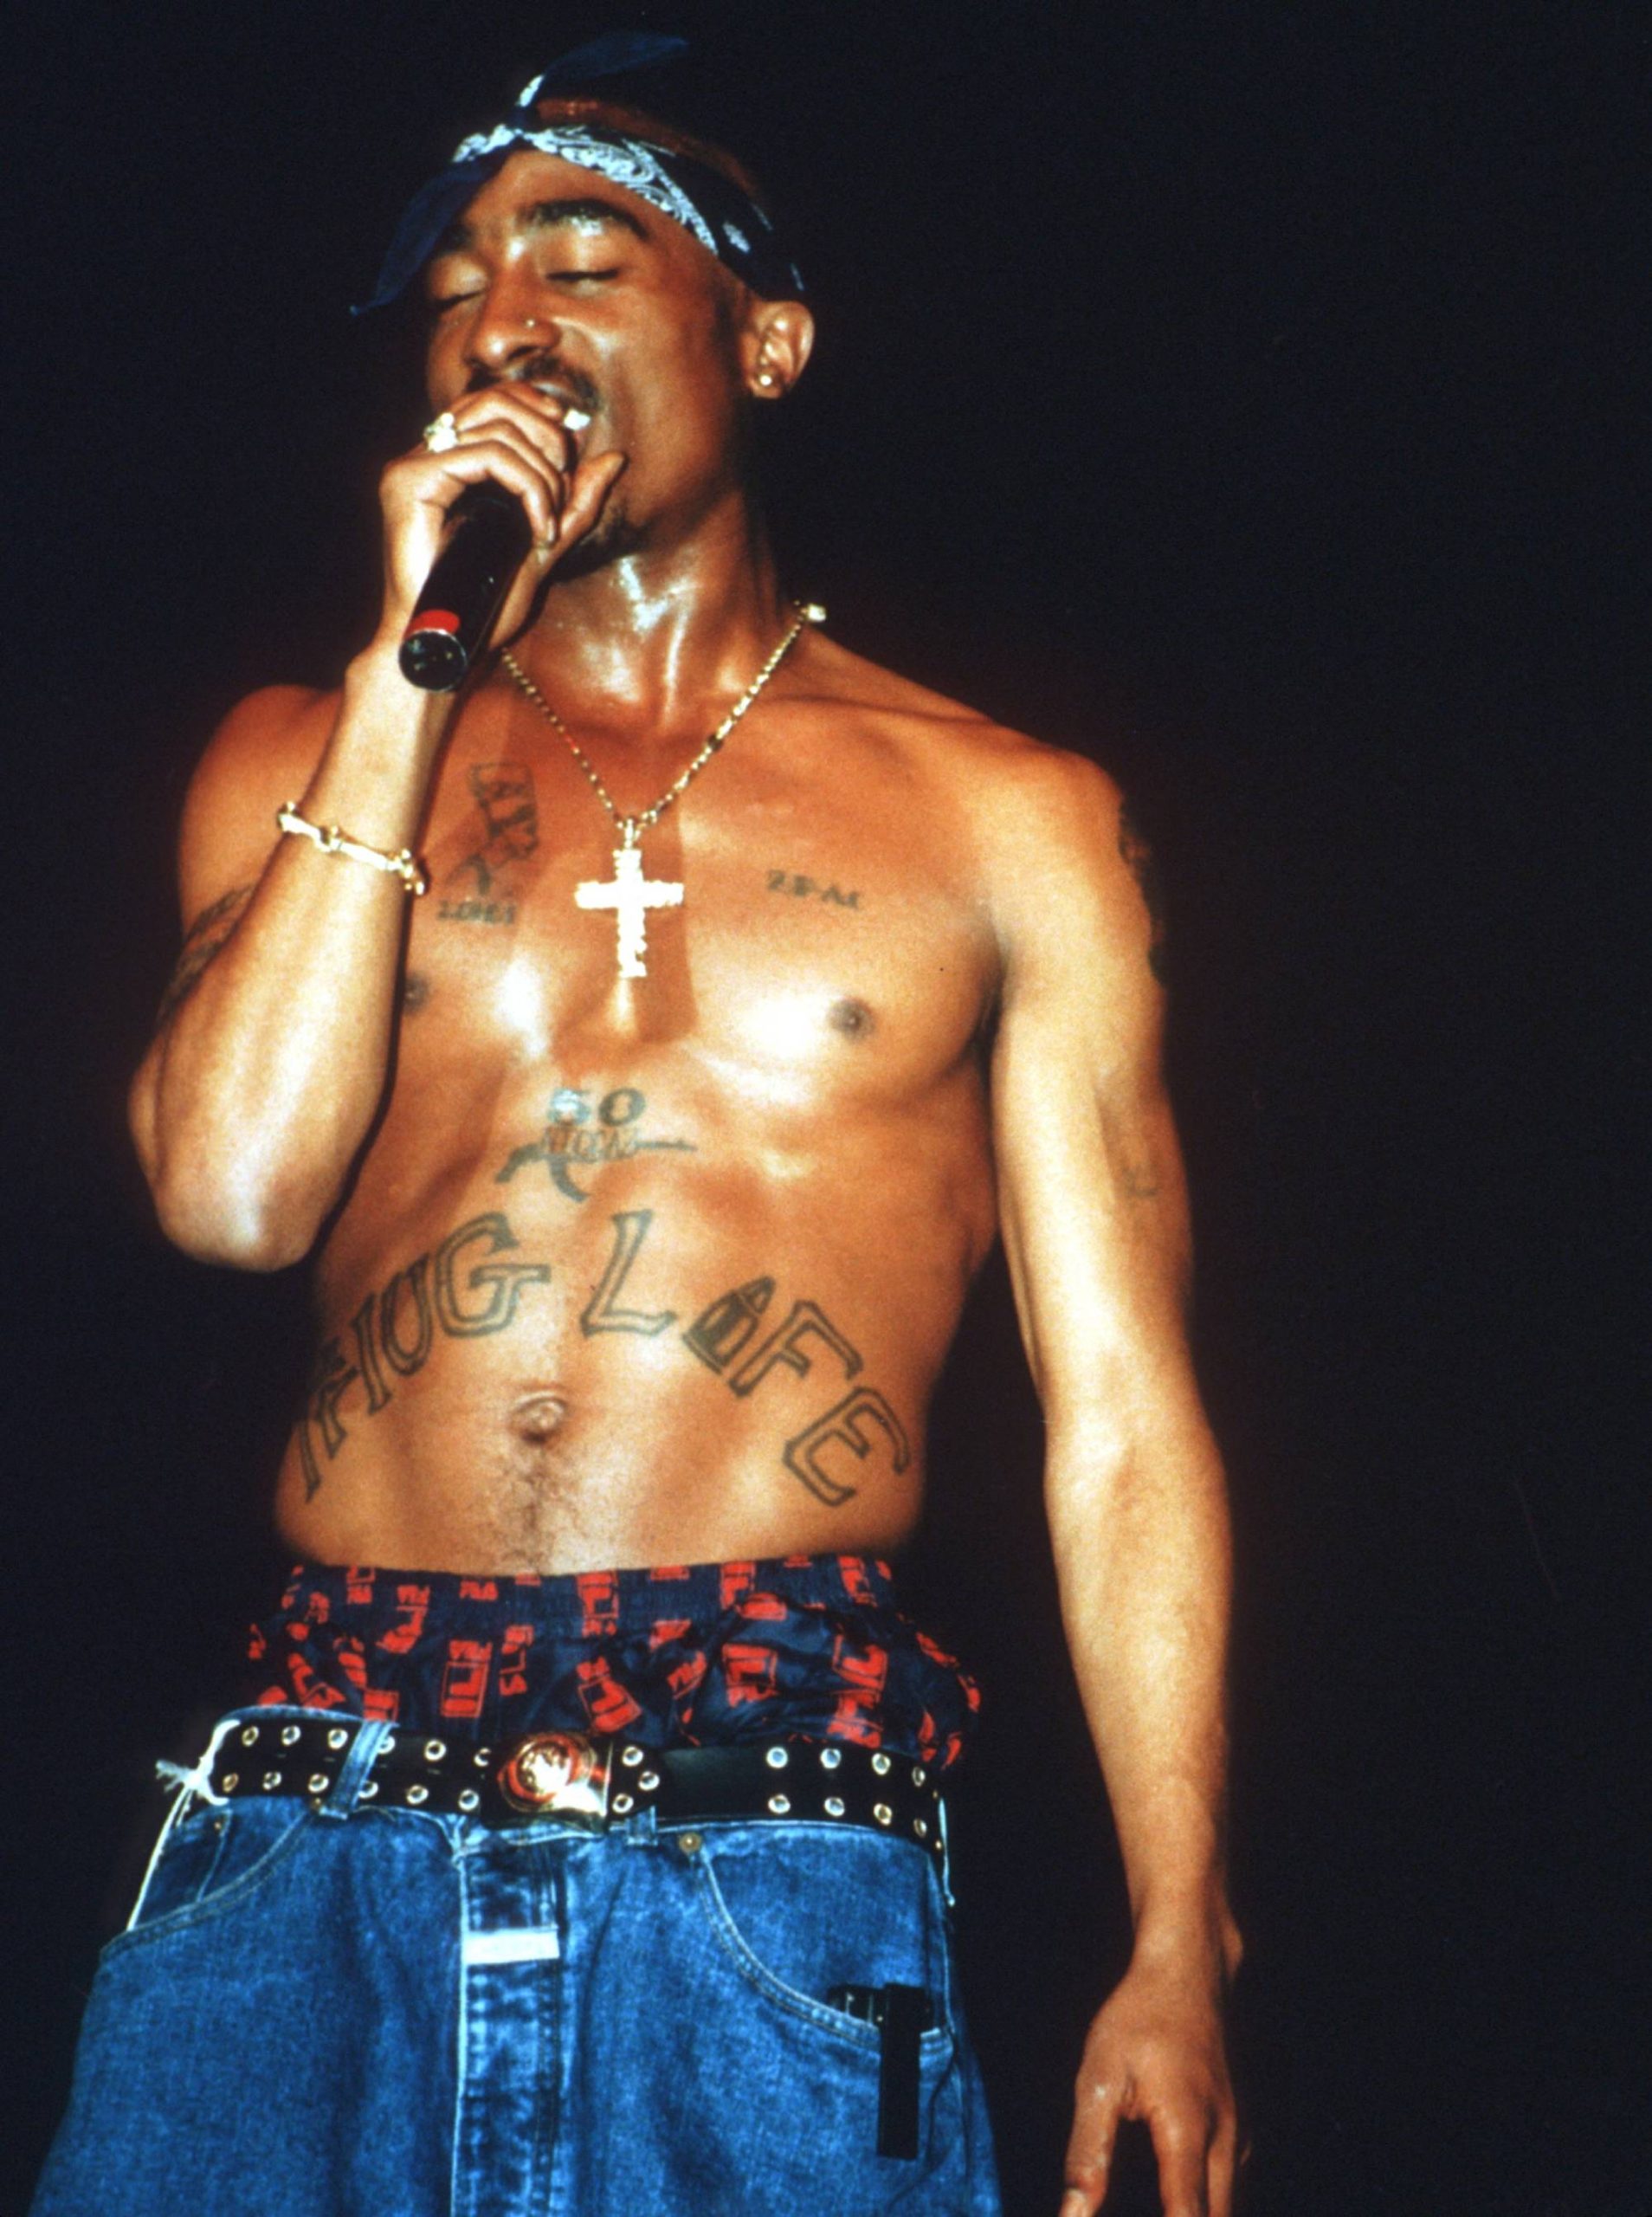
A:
[585,1780]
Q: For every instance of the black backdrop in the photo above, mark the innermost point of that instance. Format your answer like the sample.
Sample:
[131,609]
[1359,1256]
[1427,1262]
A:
[1247,396]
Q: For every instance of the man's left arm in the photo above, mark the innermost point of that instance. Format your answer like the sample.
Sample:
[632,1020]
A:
[1093,1209]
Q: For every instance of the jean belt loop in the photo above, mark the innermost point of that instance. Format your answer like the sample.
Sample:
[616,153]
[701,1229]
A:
[946,1853]
[185,1786]
[370,1735]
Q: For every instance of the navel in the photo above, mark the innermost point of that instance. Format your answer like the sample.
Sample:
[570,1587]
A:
[536,1417]
[852,1019]
[416,990]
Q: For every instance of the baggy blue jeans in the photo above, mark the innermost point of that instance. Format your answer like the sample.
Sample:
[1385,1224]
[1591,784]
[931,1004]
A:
[351,2012]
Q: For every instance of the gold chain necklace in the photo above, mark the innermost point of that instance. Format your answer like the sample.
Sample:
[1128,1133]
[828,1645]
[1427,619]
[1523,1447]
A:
[628,893]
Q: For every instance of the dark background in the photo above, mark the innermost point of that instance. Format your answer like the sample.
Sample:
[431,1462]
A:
[1250,397]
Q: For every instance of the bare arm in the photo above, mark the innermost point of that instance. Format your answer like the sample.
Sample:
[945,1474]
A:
[1094,1216]
[269,1065]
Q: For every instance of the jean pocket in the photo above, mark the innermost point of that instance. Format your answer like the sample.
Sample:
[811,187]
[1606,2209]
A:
[799,1909]
[209,1862]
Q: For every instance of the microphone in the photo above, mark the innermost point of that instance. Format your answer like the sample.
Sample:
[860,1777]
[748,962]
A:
[489,534]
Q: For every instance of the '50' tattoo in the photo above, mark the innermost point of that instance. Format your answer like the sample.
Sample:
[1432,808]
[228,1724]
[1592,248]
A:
[576,1132]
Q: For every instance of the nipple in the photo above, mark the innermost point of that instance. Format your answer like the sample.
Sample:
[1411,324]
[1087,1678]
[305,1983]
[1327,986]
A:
[852,1018]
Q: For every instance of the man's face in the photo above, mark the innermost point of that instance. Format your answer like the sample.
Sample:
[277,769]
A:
[557,276]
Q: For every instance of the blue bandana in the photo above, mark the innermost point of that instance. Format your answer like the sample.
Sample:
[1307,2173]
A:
[726,222]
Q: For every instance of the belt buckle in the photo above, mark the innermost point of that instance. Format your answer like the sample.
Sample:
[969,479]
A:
[556,1775]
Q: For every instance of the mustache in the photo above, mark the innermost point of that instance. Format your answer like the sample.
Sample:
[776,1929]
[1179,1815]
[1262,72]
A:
[545,368]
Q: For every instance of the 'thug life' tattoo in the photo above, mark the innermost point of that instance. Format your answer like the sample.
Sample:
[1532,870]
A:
[721,1332]
[394,1330]
[844,1426]
[393,1333]
[602,1312]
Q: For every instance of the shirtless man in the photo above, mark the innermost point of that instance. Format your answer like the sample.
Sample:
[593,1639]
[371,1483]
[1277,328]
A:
[619,1274]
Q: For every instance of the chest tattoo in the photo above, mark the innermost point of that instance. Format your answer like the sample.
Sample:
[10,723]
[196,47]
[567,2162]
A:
[509,832]
[800,888]
[580,1130]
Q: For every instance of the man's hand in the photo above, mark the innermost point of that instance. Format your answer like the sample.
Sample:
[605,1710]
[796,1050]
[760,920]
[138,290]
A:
[515,435]
[1155,2053]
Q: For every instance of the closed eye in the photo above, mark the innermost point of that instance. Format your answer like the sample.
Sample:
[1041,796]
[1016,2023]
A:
[441,302]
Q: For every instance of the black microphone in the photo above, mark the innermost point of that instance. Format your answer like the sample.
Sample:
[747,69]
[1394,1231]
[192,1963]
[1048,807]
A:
[489,534]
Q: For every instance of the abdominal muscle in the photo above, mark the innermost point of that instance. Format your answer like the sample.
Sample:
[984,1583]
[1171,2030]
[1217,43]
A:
[689,1364]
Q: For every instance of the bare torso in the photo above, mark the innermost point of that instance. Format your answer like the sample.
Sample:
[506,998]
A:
[639,1273]
[619,1274]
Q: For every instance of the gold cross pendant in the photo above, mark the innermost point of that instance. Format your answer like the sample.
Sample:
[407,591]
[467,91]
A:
[630,896]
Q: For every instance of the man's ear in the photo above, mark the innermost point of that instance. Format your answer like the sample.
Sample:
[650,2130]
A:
[775,347]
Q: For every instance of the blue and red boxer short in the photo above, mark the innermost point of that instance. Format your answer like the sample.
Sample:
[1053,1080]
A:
[804,1646]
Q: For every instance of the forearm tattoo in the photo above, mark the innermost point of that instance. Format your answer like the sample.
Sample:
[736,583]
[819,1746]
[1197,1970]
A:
[1144,868]
[205,940]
